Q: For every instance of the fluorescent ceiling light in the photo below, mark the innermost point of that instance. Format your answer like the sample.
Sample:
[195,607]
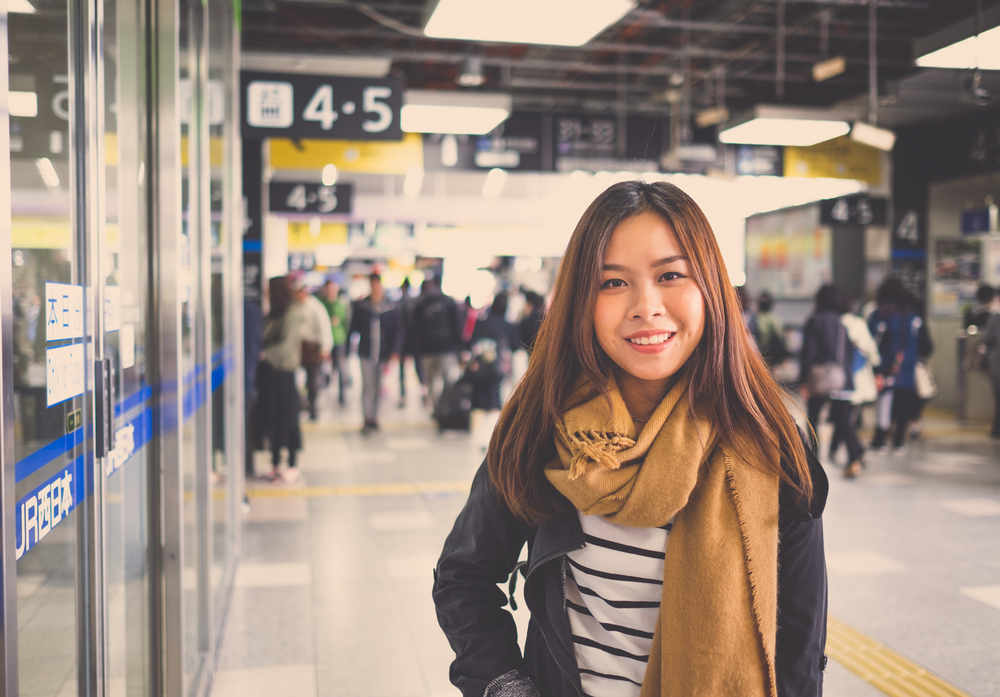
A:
[20,6]
[48,172]
[330,175]
[962,54]
[494,183]
[881,138]
[23,104]
[551,22]
[453,112]
[313,64]
[771,125]
[829,68]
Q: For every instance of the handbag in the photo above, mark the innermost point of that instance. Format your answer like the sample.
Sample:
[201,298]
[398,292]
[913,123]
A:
[311,354]
[824,378]
[923,379]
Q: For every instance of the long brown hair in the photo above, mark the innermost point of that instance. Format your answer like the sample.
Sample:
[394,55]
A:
[734,386]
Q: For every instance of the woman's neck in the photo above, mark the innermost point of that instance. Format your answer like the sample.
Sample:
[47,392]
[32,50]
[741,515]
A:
[642,396]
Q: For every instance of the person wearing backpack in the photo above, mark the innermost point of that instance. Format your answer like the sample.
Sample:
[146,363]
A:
[437,338]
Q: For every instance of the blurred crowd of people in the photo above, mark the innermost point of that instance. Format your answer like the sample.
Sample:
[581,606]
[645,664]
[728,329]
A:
[461,355]
[851,357]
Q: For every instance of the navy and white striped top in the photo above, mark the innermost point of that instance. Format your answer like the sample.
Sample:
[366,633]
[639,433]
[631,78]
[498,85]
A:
[613,591]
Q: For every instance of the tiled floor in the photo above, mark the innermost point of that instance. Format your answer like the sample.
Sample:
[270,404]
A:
[332,597]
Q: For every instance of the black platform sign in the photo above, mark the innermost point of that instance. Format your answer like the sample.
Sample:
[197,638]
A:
[278,105]
[295,197]
[853,210]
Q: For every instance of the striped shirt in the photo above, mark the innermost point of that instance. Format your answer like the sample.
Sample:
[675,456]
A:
[613,590]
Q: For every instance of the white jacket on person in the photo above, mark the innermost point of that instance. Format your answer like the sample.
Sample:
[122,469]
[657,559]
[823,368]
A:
[317,328]
[865,389]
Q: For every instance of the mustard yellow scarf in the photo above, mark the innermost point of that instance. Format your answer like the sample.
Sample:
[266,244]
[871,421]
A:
[715,635]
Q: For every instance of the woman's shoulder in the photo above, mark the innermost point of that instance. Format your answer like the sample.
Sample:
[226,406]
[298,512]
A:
[791,505]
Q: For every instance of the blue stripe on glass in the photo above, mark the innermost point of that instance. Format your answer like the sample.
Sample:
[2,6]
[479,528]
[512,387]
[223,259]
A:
[194,397]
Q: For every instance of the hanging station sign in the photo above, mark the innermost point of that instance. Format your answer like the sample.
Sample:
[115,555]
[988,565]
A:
[299,197]
[853,210]
[280,105]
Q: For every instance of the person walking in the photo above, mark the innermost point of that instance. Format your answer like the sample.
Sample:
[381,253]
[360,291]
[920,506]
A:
[406,305]
[826,351]
[437,338]
[279,403]
[903,340]
[337,309]
[379,325]
[978,313]
[649,463]
[493,340]
[770,333]
[866,358]
[317,342]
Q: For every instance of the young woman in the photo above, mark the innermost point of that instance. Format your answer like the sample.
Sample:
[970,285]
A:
[648,461]
[279,405]
[826,340]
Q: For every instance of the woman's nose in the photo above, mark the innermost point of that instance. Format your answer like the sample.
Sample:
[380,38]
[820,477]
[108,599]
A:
[646,302]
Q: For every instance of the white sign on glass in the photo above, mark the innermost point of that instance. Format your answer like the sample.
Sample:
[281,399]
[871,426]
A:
[63,311]
[64,376]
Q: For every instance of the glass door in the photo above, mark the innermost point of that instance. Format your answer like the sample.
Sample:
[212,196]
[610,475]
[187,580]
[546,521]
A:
[81,399]
[50,354]
[125,274]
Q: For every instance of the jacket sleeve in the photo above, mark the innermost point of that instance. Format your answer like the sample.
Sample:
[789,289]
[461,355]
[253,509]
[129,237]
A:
[399,338]
[925,346]
[355,326]
[481,551]
[802,591]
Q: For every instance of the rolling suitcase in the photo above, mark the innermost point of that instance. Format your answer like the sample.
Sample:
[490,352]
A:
[455,406]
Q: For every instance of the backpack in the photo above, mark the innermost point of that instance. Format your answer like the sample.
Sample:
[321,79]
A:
[434,319]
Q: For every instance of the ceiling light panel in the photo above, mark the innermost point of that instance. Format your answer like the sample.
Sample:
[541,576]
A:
[453,112]
[784,132]
[881,138]
[550,22]
[964,54]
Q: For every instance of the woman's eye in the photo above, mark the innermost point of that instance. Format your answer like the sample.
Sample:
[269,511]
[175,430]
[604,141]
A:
[671,276]
[613,283]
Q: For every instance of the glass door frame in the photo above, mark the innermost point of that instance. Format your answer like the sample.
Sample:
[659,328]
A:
[8,559]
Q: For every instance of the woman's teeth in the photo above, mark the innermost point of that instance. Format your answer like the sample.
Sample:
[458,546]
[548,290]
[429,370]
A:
[647,340]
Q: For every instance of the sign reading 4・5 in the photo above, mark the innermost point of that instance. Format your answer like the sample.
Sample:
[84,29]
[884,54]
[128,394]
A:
[318,106]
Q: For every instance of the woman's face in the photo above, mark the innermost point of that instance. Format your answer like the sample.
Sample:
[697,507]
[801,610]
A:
[650,314]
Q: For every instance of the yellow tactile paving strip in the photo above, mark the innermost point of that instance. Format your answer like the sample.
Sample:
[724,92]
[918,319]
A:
[882,667]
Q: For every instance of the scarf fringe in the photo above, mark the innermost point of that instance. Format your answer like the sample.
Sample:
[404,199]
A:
[593,446]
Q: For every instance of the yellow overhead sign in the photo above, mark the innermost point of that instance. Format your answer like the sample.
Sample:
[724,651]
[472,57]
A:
[839,158]
[40,233]
[368,157]
[306,237]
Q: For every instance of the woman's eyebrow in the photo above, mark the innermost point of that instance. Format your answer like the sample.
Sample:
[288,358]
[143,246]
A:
[659,262]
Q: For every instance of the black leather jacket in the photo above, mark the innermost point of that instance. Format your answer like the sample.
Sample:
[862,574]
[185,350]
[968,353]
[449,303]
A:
[483,550]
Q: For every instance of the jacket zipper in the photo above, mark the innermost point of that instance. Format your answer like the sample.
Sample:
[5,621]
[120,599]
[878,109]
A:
[541,630]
